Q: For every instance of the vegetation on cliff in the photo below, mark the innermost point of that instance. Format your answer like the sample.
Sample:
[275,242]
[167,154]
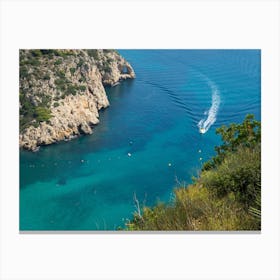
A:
[226,195]
[54,82]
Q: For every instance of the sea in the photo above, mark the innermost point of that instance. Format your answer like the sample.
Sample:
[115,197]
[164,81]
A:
[158,131]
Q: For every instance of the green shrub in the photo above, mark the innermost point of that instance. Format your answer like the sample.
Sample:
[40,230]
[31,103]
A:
[82,88]
[247,134]
[93,53]
[226,196]
[194,208]
[34,62]
[108,50]
[60,74]
[36,53]
[57,52]
[58,62]
[238,173]
[55,104]
[23,72]
[23,62]
[107,68]
[47,52]
[45,100]
[42,114]
[110,60]
[80,63]
[71,89]
[82,79]
[46,77]
[61,83]
[72,71]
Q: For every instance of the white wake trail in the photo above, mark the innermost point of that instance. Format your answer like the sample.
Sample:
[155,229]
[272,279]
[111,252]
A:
[205,124]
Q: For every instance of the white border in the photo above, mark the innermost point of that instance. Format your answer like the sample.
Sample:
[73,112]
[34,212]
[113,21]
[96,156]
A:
[135,24]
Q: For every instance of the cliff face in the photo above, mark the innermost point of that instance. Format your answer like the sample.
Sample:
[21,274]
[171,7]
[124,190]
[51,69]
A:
[61,92]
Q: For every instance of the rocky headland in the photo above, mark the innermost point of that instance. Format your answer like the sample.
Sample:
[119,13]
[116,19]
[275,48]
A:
[61,92]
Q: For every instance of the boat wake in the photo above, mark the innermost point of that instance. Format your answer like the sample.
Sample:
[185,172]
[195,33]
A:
[211,115]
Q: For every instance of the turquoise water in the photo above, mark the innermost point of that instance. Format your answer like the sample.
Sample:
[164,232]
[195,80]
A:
[89,183]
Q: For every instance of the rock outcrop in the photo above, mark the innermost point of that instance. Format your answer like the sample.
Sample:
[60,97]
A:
[61,92]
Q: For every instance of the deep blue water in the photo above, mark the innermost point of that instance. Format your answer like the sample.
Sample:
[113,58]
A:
[89,183]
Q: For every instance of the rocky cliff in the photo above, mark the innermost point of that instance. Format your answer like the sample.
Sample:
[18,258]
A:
[61,92]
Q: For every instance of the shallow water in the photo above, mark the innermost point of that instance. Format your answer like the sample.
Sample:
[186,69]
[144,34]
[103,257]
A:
[89,183]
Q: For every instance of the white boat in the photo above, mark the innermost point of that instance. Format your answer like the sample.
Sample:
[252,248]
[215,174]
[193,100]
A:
[202,130]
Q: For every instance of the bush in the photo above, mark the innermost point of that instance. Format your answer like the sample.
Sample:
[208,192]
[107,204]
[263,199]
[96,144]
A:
[93,53]
[60,74]
[80,63]
[239,173]
[36,53]
[194,208]
[106,68]
[61,83]
[82,79]
[71,89]
[42,114]
[46,77]
[82,88]
[226,196]
[47,52]
[246,134]
[57,52]
[55,104]
[23,72]
[72,71]
[34,62]
[58,62]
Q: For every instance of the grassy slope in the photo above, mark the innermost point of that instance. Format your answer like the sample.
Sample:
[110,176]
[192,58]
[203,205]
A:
[226,196]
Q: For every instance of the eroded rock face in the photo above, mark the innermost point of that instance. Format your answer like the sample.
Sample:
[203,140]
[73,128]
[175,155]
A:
[71,87]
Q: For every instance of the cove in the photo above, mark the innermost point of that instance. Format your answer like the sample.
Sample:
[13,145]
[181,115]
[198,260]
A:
[147,141]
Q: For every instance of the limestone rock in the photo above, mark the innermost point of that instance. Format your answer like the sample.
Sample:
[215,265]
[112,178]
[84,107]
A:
[69,85]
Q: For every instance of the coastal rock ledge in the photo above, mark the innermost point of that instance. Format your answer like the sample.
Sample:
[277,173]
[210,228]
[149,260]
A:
[61,92]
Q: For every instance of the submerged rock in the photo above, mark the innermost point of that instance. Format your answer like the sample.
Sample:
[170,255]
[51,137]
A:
[61,181]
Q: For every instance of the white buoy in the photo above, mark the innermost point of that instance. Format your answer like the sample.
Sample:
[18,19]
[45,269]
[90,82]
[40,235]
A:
[169,164]
[129,154]
[200,158]
[199,151]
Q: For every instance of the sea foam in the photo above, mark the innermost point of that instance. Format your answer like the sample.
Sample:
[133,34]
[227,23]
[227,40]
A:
[211,115]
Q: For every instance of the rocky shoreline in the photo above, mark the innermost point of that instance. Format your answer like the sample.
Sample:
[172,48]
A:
[61,94]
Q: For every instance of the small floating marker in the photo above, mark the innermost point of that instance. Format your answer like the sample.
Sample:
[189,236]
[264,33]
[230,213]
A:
[199,151]
[169,164]
[82,160]
[200,158]
[129,154]
[130,142]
